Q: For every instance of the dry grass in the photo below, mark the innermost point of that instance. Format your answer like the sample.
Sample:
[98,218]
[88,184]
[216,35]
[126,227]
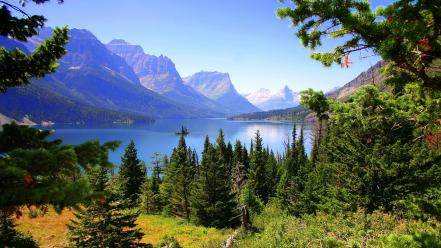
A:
[50,230]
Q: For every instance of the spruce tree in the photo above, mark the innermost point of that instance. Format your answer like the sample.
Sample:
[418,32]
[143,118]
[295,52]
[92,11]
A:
[105,221]
[10,237]
[131,175]
[257,173]
[272,174]
[288,170]
[212,201]
[240,169]
[372,157]
[178,180]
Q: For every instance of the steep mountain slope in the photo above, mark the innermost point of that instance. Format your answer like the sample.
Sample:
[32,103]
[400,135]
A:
[218,87]
[159,74]
[370,76]
[268,100]
[92,76]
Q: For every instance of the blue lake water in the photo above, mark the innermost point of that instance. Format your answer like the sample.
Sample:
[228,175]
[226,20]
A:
[160,136]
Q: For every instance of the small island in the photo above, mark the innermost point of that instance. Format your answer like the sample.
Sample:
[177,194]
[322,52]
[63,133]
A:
[184,131]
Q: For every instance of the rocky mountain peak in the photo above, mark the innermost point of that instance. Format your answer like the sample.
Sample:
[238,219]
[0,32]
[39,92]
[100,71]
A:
[212,84]
[266,99]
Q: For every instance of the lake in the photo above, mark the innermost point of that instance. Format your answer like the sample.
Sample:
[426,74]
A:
[160,136]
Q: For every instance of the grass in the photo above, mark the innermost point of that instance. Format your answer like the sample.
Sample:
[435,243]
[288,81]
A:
[50,230]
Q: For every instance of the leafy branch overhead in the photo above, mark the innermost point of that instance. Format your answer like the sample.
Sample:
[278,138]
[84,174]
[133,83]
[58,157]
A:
[406,34]
[16,67]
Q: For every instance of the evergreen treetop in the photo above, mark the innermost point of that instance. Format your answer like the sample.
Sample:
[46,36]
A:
[405,34]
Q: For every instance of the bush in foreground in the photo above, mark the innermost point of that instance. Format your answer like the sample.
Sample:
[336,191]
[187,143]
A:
[357,229]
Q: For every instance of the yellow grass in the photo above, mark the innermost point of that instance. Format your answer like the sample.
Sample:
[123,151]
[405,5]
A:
[50,230]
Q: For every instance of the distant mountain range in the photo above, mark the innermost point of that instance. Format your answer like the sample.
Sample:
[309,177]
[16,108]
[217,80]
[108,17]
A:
[299,113]
[116,82]
[268,100]
[218,87]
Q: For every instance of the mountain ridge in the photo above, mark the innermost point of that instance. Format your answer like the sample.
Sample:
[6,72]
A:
[159,74]
[218,87]
[95,80]
[266,99]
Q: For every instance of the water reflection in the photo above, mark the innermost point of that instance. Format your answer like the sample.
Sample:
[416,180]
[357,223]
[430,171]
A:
[160,136]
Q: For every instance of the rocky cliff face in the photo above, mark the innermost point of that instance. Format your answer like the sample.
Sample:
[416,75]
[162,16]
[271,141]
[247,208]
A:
[268,100]
[99,82]
[160,75]
[155,73]
[218,86]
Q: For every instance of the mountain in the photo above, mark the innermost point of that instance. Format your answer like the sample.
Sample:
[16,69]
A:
[267,100]
[218,87]
[91,82]
[159,74]
[370,76]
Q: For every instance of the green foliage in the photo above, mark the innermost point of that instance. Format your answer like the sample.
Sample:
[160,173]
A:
[212,200]
[240,166]
[315,101]
[17,67]
[150,198]
[15,136]
[35,171]
[169,241]
[132,173]
[294,173]
[374,155]
[106,222]
[352,229]
[249,198]
[295,114]
[257,173]
[178,180]
[10,237]
[405,34]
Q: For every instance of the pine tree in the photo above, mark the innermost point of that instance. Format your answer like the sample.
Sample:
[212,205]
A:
[10,237]
[288,170]
[106,222]
[151,198]
[257,173]
[240,169]
[178,181]
[131,175]
[272,174]
[222,151]
[212,201]
[370,161]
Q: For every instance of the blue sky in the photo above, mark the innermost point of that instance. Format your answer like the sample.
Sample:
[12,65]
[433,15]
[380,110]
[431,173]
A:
[241,37]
